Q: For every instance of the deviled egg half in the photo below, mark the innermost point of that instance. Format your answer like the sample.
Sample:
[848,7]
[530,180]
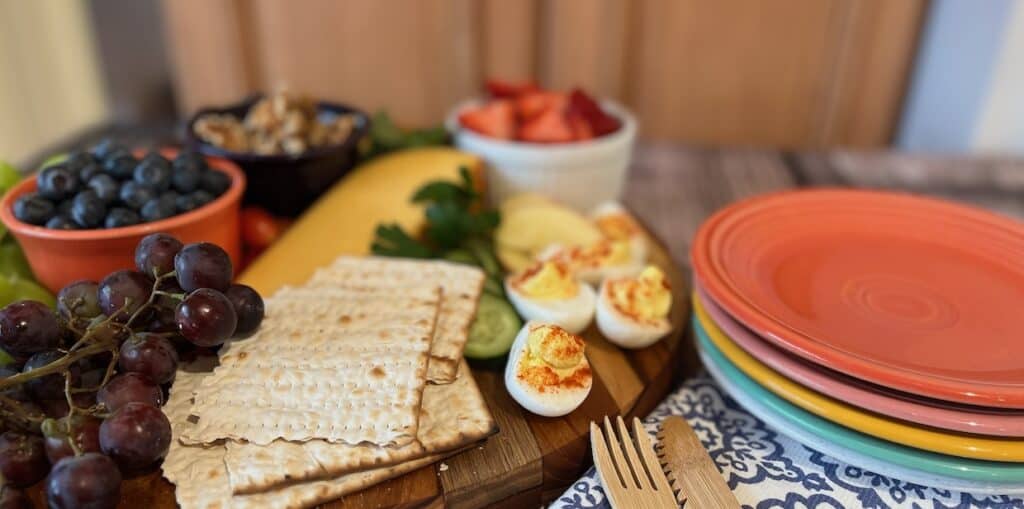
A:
[633,312]
[616,223]
[549,292]
[547,371]
[621,252]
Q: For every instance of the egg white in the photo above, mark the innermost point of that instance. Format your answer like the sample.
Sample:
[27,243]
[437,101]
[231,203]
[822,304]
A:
[551,403]
[573,314]
[594,275]
[624,330]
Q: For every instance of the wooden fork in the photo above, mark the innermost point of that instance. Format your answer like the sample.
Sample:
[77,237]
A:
[634,480]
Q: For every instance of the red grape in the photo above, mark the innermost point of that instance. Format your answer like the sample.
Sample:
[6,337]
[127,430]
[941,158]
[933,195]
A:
[129,388]
[248,306]
[206,317]
[79,300]
[150,355]
[13,498]
[203,265]
[28,327]
[154,255]
[22,459]
[48,386]
[136,435]
[90,481]
[83,429]
[162,320]
[125,289]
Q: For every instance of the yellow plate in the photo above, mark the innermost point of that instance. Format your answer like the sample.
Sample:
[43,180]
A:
[902,432]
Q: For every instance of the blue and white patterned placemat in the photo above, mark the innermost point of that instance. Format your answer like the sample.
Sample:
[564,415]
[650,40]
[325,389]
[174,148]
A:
[767,470]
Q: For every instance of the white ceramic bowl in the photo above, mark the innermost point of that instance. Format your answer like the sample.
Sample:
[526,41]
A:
[580,174]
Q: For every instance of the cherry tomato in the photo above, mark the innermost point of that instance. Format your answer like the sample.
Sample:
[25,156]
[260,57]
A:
[259,228]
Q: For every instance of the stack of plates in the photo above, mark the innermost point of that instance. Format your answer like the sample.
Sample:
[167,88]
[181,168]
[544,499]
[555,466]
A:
[882,329]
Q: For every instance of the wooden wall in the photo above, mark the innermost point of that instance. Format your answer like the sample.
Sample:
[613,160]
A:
[788,73]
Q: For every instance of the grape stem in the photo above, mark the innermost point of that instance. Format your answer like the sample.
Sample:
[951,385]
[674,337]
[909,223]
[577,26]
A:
[12,413]
[56,366]
[153,294]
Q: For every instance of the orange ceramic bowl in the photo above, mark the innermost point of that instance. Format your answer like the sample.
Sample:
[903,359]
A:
[59,257]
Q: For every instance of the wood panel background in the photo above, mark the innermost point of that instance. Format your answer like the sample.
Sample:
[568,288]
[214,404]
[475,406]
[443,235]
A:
[785,73]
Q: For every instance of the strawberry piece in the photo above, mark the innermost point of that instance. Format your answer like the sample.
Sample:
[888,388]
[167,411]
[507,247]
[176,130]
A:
[531,104]
[509,90]
[496,119]
[581,129]
[548,127]
[600,122]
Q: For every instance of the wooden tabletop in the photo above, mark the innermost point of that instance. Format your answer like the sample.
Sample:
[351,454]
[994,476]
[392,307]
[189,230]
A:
[675,188]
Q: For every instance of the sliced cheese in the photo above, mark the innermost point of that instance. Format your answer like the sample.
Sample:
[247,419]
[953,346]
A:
[343,220]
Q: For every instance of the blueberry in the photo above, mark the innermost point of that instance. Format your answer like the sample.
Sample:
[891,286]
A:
[185,178]
[90,170]
[191,160]
[107,146]
[120,165]
[57,182]
[88,209]
[154,174]
[215,182]
[186,202]
[105,187]
[33,209]
[80,159]
[134,195]
[119,216]
[157,209]
[169,198]
[61,222]
[202,197]
[64,207]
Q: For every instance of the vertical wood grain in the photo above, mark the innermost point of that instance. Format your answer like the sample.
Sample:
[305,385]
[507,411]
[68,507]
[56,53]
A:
[208,45]
[878,41]
[414,57]
[508,39]
[584,44]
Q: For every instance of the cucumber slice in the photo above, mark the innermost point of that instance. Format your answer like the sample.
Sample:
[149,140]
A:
[493,330]
[461,256]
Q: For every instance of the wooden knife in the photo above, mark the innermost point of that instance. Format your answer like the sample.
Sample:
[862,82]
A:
[690,470]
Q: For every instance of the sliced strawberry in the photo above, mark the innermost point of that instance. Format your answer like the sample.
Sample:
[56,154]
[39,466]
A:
[581,129]
[496,119]
[509,90]
[531,104]
[548,127]
[600,122]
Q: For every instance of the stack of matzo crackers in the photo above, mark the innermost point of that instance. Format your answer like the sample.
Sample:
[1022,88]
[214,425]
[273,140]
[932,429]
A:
[352,379]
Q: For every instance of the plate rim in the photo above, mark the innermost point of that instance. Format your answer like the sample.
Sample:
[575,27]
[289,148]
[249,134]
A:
[950,443]
[815,350]
[816,378]
[926,461]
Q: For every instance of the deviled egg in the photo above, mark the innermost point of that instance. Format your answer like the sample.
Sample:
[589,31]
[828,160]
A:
[633,312]
[547,371]
[602,259]
[616,223]
[548,292]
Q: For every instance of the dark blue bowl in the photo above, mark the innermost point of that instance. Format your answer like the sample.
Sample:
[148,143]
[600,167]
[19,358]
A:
[286,185]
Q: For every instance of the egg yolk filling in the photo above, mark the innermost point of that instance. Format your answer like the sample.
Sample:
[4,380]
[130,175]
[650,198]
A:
[550,280]
[617,226]
[604,253]
[647,297]
[553,359]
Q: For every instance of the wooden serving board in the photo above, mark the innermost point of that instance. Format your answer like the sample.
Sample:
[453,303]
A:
[532,459]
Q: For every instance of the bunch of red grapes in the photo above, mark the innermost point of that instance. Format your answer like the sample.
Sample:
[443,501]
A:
[80,405]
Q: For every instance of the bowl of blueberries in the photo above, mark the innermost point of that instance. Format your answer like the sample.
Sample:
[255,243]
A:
[81,216]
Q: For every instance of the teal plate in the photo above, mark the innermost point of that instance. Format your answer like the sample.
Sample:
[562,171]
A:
[864,451]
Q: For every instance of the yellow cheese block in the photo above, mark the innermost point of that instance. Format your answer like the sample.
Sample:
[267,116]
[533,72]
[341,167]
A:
[343,220]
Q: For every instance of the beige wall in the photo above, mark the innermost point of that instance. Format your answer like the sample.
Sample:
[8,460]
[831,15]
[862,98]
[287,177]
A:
[50,84]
